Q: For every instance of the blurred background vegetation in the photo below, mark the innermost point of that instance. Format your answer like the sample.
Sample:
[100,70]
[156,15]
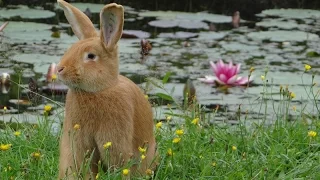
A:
[247,7]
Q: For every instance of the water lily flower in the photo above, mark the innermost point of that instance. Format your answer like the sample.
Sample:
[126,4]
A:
[3,26]
[226,74]
[52,70]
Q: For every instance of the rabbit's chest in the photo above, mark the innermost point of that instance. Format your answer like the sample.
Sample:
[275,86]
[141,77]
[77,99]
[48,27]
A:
[97,109]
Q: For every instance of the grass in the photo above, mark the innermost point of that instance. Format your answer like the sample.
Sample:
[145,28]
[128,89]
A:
[283,150]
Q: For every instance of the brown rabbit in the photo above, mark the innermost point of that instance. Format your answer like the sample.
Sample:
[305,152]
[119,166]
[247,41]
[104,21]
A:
[106,106]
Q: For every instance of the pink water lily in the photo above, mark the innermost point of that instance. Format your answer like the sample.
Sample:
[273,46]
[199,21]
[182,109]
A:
[225,74]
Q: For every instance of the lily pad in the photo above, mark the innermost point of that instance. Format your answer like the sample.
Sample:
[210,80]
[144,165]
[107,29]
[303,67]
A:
[292,13]
[41,62]
[94,8]
[160,14]
[203,16]
[135,34]
[178,35]
[278,23]
[14,26]
[25,13]
[200,16]
[234,47]
[312,54]
[186,24]
[28,37]
[164,23]
[212,35]
[281,36]
[132,68]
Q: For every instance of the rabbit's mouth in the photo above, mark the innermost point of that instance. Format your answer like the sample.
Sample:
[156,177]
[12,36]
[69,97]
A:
[69,83]
[79,85]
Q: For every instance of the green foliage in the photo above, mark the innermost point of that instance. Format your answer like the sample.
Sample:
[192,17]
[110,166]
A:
[312,54]
[284,150]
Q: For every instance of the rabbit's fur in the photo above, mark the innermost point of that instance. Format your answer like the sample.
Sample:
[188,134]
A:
[108,107]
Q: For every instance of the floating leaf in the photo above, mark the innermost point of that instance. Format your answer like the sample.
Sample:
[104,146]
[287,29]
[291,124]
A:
[312,54]
[186,24]
[26,13]
[278,24]
[281,36]
[292,13]
[135,34]
[178,35]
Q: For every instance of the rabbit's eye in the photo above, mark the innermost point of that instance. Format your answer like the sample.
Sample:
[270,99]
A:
[91,56]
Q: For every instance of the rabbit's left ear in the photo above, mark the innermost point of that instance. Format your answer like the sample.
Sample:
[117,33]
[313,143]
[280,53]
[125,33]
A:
[111,24]
[80,23]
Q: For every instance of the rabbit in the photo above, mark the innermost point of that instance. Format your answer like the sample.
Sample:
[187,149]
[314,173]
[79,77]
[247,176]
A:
[101,105]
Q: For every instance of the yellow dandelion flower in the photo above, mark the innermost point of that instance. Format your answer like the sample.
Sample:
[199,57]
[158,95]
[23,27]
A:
[307,67]
[17,133]
[234,148]
[146,96]
[214,164]
[251,69]
[168,118]
[292,95]
[107,145]
[176,140]
[149,172]
[262,77]
[143,157]
[142,150]
[169,152]
[195,121]
[54,77]
[312,134]
[76,127]
[47,108]
[125,172]
[5,147]
[294,108]
[179,132]
[36,155]
[159,125]
[7,169]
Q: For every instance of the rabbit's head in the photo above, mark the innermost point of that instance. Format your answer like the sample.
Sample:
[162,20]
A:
[91,64]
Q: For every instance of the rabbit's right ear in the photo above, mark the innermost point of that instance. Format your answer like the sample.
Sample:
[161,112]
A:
[80,23]
[111,17]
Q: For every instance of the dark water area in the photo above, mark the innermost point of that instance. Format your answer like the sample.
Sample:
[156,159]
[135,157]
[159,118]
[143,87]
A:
[248,8]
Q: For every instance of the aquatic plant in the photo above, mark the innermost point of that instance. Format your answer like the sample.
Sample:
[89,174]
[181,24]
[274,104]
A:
[225,74]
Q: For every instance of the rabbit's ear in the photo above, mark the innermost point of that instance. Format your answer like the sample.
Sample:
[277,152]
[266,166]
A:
[111,18]
[80,23]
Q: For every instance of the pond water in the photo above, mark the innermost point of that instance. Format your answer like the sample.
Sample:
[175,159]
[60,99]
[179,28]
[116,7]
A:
[183,43]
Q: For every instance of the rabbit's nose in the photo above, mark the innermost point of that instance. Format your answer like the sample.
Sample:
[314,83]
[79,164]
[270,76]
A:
[60,69]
